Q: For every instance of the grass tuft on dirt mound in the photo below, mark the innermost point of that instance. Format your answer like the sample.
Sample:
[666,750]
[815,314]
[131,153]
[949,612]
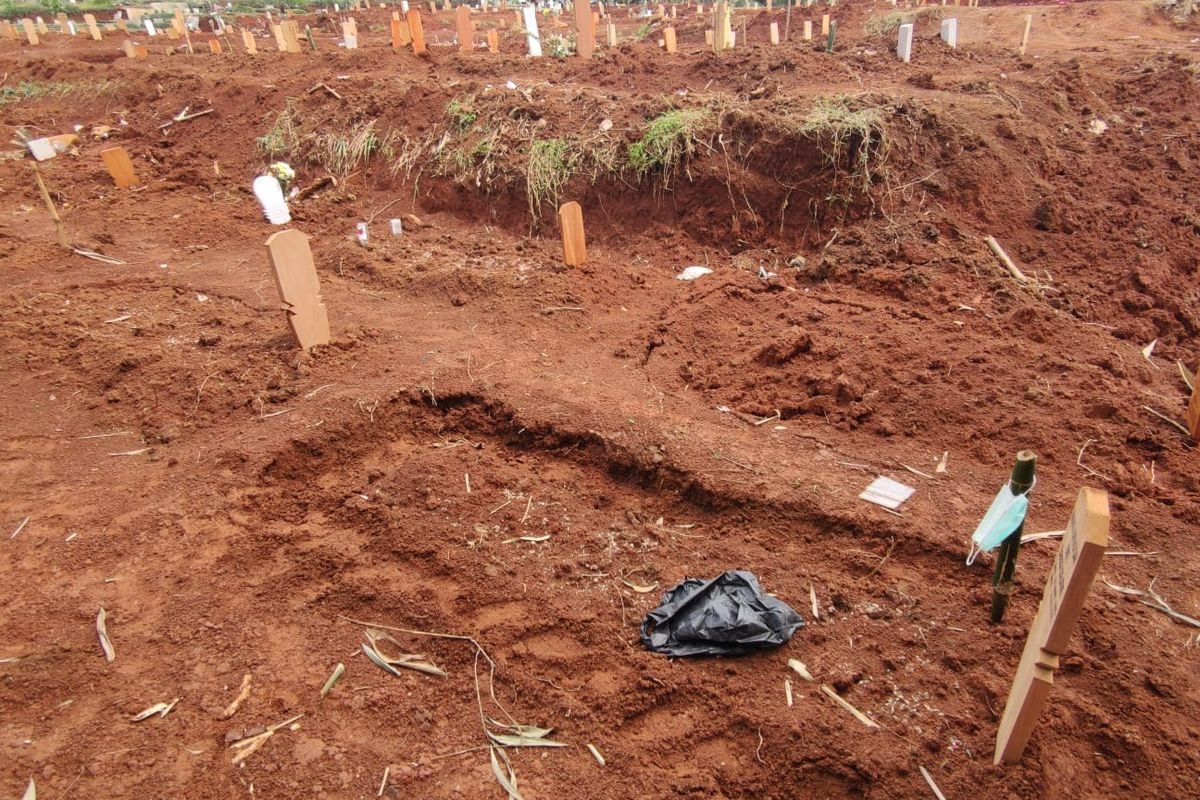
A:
[852,134]
[888,23]
[462,113]
[551,164]
[1178,10]
[342,152]
[282,139]
[670,141]
[33,90]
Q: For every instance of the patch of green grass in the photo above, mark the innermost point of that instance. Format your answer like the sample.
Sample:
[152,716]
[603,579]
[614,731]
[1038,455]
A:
[282,139]
[669,142]
[461,112]
[851,134]
[642,32]
[888,23]
[551,164]
[33,90]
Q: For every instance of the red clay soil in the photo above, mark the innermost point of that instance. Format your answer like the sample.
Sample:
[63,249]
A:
[230,501]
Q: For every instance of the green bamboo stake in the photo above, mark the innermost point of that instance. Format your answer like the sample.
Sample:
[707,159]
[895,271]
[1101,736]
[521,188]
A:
[1006,560]
[832,36]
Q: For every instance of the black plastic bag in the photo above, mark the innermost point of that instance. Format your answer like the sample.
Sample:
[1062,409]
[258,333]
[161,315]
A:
[729,615]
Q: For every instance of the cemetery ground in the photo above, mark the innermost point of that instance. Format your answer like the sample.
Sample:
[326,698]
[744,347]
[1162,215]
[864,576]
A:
[500,447]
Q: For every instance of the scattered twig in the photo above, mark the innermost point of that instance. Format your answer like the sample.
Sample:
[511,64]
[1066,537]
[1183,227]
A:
[917,472]
[596,754]
[528,505]
[116,262]
[502,505]
[771,418]
[1165,418]
[332,679]
[252,743]
[1130,553]
[1156,601]
[20,528]
[933,786]
[316,186]
[106,435]
[758,750]
[1005,260]
[184,116]
[243,693]
[801,670]
[555,309]
[275,413]
[1086,468]
[327,88]
[861,717]
[1033,537]
[787,691]
[64,240]
[812,596]
[886,556]
[132,452]
[467,480]
[383,783]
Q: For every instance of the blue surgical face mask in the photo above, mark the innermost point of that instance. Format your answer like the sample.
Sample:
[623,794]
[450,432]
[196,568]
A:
[1004,516]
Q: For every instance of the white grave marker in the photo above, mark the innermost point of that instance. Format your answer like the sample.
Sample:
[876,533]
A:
[904,41]
[150,28]
[531,31]
[950,32]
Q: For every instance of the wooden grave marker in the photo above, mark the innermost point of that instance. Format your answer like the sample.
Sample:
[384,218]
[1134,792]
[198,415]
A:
[493,40]
[904,42]
[60,19]
[466,29]
[708,37]
[291,36]
[248,41]
[824,24]
[349,36]
[280,42]
[1192,418]
[416,32]
[570,219]
[669,39]
[808,30]
[1025,33]
[214,46]
[585,26]
[31,34]
[8,30]
[949,32]
[774,33]
[123,25]
[529,14]
[116,160]
[299,290]
[400,37]
[1078,560]
[41,26]
[720,27]
[612,34]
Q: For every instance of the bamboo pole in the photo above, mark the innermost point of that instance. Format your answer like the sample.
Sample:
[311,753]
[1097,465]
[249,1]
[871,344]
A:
[1020,483]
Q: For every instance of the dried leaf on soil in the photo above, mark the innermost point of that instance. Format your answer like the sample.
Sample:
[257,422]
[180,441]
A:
[161,709]
[639,588]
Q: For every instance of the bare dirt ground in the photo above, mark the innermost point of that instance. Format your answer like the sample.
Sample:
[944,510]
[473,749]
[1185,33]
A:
[229,500]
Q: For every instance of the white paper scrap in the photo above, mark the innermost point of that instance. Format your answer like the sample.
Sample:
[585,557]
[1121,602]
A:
[887,493]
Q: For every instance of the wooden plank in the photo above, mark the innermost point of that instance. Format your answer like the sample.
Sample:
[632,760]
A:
[116,160]
[1193,411]
[291,36]
[214,46]
[349,36]
[280,42]
[248,41]
[774,33]
[466,29]
[585,27]
[493,40]
[31,34]
[299,289]
[612,34]
[1075,567]
[570,217]
[669,39]
[416,32]
[1025,33]
[400,37]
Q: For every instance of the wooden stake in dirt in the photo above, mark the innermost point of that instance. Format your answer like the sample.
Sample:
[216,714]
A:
[493,40]
[63,240]
[1020,482]
[1192,418]
[808,30]
[214,46]
[291,35]
[466,29]
[669,39]
[280,42]
[774,33]
[416,32]
[824,24]
[296,278]
[116,160]
[529,20]
[1067,588]
[570,218]
[31,35]
[832,37]
[349,36]
[612,34]
[720,27]
[1025,34]
[248,41]
[585,26]
[400,37]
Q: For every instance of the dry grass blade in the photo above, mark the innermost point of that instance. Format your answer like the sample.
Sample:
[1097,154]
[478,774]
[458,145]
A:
[505,774]
[787,691]
[596,754]
[1165,418]
[518,735]
[861,717]
[1187,376]
[243,693]
[106,644]
[1156,602]
[333,678]
[542,538]
[116,262]
[640,588]
[30,791]
[379,660]
[20,528]
[249,745]
[405,660]
[159,709]
[932,786]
